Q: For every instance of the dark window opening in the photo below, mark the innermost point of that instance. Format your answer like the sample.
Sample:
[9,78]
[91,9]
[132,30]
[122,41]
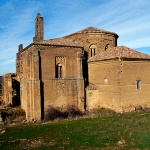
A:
[59,71]
[138,84]
[107,46]
[92,50]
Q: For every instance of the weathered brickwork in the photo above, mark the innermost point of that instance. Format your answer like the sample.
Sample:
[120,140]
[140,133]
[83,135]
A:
[94,38]
[10,90]
[85,69]
[122,80]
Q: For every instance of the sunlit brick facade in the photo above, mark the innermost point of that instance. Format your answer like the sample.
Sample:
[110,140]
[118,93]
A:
[85,69]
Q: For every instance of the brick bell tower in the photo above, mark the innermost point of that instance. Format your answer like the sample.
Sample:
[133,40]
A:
[39,28]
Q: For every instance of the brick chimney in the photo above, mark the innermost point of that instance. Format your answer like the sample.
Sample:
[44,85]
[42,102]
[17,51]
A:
[39,28]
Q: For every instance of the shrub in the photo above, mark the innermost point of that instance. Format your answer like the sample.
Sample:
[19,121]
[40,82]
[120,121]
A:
[16,111]
[52,113]
[55,113]
[74,111]
[10,115]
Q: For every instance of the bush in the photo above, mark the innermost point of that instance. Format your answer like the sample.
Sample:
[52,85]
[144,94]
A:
[52,113]
[10,115]
[55,113]
[74,112]
[16,112]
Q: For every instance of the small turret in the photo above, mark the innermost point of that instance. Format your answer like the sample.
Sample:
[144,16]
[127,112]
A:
[39,28]
[20,47]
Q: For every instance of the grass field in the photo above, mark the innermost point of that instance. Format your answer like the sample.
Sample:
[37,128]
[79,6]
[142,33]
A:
[118,131]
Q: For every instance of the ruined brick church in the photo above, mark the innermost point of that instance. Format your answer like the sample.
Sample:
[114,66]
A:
[85,69]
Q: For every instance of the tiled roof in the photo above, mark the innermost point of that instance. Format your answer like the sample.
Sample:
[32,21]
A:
[68,42]
[93,30]
[60,41]
[119,52]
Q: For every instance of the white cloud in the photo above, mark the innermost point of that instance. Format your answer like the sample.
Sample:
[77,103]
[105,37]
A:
[140,42]
[8,62]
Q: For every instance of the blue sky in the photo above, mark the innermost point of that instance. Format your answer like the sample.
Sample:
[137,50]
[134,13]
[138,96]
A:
[130,19]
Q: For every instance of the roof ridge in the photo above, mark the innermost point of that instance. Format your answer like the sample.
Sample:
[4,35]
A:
[60,41]
[92,29]
[119,52]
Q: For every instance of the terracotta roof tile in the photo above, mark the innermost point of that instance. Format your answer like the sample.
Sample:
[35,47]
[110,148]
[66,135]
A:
[68,42]
[60,41]
[119,52]
[92,30]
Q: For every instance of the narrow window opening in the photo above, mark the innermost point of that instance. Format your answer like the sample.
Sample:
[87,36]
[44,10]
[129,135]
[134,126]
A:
[107,46]
[59,71]
[92,50]
[138,84]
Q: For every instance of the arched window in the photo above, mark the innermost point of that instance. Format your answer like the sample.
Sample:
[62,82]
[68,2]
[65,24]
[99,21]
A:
[59,71]
[92,50]
[107,46]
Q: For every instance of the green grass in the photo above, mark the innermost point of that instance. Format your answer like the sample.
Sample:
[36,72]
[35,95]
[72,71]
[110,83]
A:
[125,131]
